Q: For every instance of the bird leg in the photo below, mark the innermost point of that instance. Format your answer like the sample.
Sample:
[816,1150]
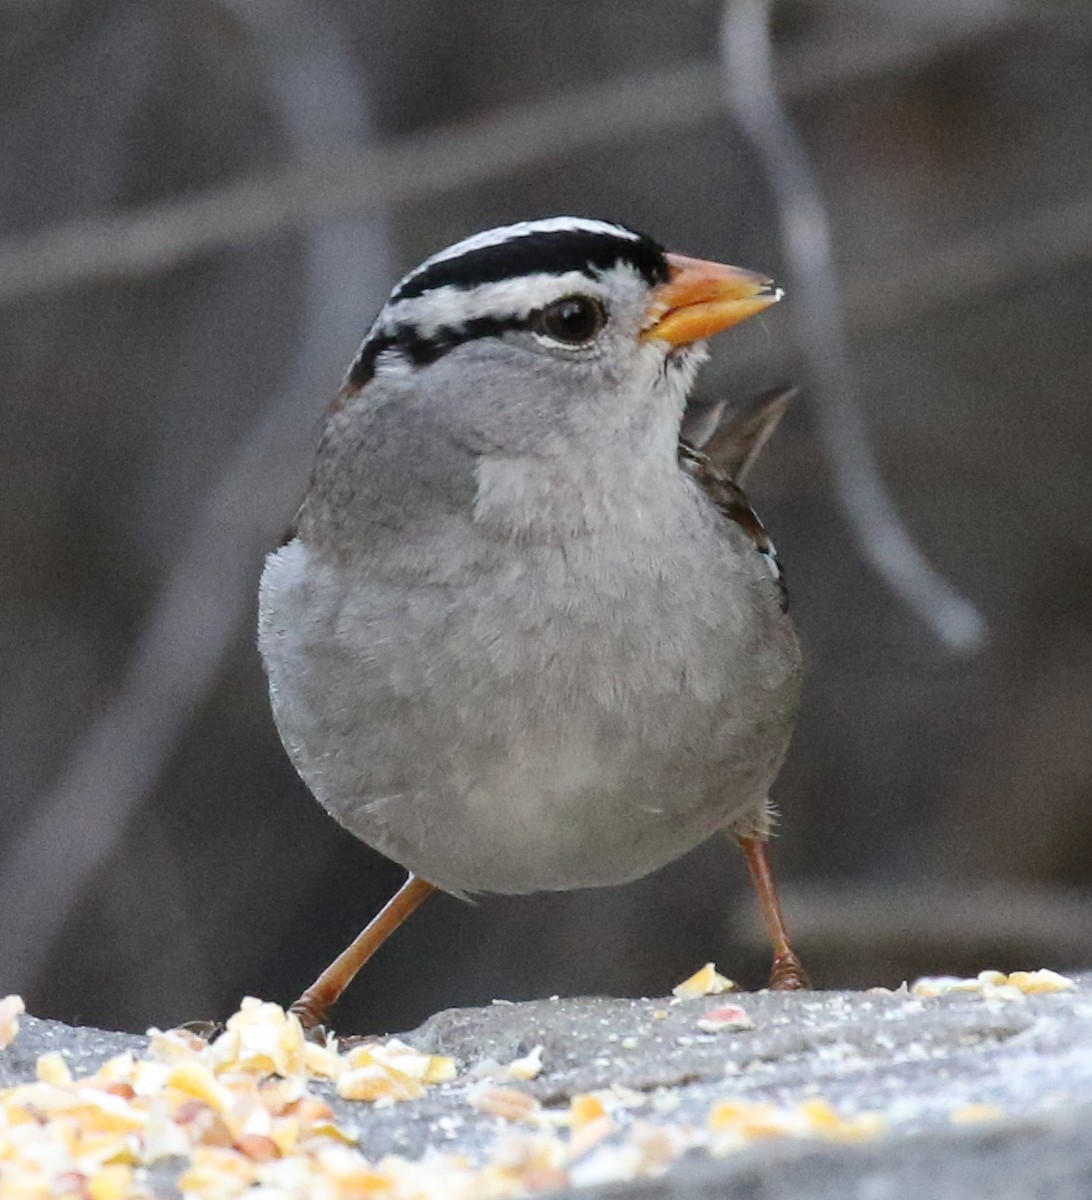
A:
[788,974]
[323,994]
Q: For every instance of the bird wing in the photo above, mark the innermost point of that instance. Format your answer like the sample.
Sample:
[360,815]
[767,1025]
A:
[732,502]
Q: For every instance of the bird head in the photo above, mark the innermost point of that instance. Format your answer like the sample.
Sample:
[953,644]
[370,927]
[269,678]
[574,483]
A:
[534,337]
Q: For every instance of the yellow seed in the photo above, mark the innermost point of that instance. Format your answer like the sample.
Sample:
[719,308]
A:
[585,1108]
[972,1114]
[526,1068]
[706,982]
[323,1062]
[52,1068]
[328,1129]
[110,1183]
[442,1070]
[1033,983]
[727,1112]
[821,1115]
[509,1103]
[196,1081]
[764,1125]
[377,1083]
[11,1009]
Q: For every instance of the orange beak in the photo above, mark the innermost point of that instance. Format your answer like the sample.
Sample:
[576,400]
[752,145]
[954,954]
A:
[702,298]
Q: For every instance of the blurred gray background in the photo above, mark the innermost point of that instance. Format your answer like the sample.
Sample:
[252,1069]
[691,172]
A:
[201,207]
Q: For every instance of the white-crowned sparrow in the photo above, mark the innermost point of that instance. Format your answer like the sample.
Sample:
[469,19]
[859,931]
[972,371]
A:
[520,637]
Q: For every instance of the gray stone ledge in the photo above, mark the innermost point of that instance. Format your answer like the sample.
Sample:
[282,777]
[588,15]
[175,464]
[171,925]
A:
[915,1062]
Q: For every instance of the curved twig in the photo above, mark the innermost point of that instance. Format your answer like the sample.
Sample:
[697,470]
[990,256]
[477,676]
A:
[751,94]
[210,586]
[518,137]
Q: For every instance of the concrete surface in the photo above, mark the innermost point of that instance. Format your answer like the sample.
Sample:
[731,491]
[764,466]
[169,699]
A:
[915,1062]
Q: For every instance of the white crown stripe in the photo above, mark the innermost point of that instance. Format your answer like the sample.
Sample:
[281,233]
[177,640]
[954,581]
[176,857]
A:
[508,233]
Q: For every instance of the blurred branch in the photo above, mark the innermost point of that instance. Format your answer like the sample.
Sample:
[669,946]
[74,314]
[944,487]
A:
[1027,248]
[752,96]
[131,244]
[193,619]
[940,923]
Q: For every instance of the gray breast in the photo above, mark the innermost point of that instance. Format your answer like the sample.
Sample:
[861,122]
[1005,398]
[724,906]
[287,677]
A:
[549,718]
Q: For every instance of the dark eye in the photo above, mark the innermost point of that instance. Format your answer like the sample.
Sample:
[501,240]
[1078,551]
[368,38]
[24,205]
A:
[572,320]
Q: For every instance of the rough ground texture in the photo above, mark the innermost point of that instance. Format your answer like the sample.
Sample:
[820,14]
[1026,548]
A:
[916,1062]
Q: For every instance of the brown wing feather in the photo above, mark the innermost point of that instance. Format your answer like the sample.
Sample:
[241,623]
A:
[730,498]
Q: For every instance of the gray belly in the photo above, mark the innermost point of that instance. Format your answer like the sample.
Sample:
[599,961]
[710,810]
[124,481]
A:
[521,733]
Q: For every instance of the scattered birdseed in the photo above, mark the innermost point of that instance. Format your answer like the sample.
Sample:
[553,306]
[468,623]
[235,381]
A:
[734,1125]
[706,982]
[236,1115]
[236,1112]
[994,985]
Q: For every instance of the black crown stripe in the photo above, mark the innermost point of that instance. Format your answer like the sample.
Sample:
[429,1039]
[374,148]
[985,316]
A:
[552,252]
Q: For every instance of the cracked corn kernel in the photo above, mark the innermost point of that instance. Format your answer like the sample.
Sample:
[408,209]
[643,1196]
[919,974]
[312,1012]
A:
[167,1046]
[585,1108]
[1033,983]
[826,1122]
[509,1103]
[526,1068]
[706,982]
[972,1114]
[52,1068]
[213,1171]
[376,1082]
[11,1009]
[196,1081]
[110,1183]
[590,1123]
[750,1122]
[440,1069]
[322,1061]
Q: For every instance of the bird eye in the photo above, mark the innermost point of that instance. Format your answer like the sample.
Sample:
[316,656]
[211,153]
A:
[572,320]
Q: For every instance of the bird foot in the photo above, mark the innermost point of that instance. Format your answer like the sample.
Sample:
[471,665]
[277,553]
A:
[788,974]
[312,1015]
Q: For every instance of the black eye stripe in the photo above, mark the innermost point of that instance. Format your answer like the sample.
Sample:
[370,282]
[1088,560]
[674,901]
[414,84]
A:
[421,350]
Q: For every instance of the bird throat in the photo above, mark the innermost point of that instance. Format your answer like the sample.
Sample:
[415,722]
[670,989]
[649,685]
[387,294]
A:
[552,500]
